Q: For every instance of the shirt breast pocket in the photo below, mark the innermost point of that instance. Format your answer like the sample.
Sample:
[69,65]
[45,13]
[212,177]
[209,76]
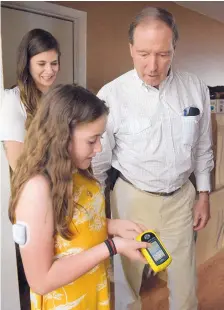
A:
[136,134]
[190,130]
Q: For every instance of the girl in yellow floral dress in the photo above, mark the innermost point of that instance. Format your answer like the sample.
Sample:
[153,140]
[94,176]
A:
[59,206]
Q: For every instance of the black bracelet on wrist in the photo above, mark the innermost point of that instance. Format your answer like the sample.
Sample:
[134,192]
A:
[111,247]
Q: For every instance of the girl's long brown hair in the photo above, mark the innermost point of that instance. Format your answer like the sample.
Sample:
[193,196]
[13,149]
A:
[46,152]
[34,42]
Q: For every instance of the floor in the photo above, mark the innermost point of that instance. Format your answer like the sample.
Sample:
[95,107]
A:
[210,288]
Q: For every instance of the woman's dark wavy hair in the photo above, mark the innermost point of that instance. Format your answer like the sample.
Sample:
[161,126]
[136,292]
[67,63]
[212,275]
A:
[46,152]
[34,42]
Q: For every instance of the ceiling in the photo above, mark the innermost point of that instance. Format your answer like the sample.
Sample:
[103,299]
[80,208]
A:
[212,9]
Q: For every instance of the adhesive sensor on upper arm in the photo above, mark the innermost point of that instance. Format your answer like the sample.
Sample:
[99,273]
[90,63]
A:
[19,232]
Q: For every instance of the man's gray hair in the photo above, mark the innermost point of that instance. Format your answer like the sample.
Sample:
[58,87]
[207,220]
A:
[151,13]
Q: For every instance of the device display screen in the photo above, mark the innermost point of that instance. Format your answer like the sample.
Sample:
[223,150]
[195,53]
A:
[155,249]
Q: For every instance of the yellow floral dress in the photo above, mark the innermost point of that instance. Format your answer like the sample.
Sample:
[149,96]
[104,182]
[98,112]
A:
[90,291]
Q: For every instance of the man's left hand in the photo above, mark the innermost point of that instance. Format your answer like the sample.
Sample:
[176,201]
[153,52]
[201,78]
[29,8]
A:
[201,211]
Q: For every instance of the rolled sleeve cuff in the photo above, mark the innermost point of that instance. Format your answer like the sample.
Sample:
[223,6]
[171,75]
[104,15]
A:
[203,182]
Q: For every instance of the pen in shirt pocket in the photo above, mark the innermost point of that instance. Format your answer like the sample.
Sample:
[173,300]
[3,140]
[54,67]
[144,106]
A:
[191,111]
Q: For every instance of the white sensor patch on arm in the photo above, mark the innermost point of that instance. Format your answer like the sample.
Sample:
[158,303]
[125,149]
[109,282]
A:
[20,233]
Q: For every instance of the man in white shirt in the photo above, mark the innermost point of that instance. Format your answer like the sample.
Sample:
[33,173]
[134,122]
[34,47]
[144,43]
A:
[158,133]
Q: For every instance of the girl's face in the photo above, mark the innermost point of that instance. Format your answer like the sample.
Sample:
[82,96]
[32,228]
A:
[86,142]
[44,68]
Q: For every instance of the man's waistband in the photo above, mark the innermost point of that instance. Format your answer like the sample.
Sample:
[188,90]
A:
[164,194]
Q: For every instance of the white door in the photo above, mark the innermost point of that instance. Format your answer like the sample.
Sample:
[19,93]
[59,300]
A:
[15,23]
[69,28]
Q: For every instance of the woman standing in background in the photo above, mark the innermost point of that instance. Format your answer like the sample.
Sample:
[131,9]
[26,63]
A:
[38,63]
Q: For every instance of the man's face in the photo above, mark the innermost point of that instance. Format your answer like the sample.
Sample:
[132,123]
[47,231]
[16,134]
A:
[152,51]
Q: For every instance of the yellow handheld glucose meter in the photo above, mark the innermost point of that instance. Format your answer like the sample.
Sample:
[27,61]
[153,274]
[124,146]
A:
[156,254]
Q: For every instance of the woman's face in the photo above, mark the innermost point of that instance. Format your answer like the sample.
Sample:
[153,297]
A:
[44,68]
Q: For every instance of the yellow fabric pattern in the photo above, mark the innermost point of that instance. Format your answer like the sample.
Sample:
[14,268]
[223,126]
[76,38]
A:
[90,291]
